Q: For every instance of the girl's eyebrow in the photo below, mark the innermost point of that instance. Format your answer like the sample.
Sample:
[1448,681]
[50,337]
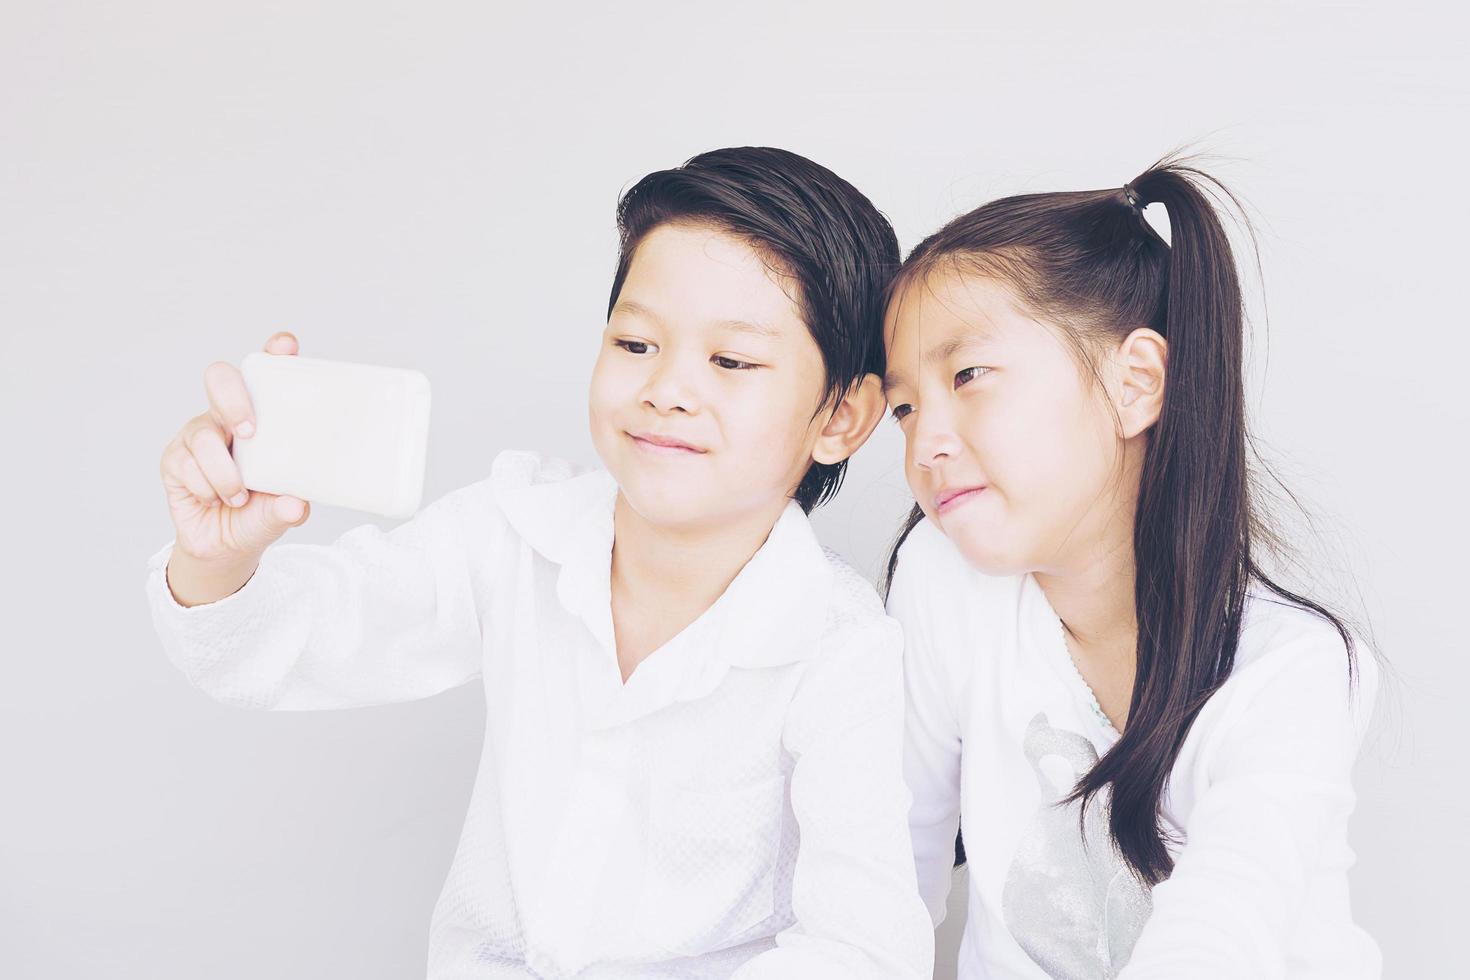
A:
[948,348]
[939,352]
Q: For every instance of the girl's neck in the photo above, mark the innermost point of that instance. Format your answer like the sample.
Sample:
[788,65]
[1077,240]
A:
[1094,598]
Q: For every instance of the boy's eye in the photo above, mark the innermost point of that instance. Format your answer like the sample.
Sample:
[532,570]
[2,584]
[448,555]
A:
[731,364]
[901,412]
[968,374]
[633,346]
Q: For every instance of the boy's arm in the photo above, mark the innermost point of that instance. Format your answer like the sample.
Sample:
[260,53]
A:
[858,912]
[372,618]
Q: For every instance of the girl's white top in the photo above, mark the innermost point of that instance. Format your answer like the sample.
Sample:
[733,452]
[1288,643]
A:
[737,809]
[1000,726]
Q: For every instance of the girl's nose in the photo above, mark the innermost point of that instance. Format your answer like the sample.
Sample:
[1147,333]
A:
[933,435]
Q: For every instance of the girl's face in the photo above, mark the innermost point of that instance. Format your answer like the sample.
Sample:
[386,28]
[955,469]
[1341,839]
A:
[703,396]
[1011,448]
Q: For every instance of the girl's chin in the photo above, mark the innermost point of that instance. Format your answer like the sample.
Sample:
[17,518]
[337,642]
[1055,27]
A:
[978,547]
[993,565]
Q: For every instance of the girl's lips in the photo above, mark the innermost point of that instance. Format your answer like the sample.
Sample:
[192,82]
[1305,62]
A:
[947,500]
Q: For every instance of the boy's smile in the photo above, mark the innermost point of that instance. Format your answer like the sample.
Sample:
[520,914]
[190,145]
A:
[663,445]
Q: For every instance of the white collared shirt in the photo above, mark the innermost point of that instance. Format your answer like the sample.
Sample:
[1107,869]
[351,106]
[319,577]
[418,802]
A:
[736,809]
[1000,726]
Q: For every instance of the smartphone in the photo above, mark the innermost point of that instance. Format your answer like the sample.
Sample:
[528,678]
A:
[335,432]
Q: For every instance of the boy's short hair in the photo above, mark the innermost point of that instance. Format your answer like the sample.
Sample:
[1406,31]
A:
[812,226]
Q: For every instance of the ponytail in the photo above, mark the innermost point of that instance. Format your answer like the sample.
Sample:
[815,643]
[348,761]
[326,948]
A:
[1191,539]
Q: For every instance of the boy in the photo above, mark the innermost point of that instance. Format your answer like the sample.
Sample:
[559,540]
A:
[692,762]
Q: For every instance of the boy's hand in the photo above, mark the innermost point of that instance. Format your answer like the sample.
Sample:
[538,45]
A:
[217,522]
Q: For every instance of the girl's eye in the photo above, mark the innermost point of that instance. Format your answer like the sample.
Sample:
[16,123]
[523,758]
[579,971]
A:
[901,412]
[731,364]
[633,346]
[968,374]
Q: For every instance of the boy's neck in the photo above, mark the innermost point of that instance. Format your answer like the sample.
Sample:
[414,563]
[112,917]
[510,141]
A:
[664,578]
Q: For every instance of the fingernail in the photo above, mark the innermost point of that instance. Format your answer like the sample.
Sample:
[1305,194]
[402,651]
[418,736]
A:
[239,499]
[245,429]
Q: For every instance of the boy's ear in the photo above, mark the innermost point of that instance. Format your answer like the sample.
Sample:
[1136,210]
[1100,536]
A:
[1142,363]
[852,421]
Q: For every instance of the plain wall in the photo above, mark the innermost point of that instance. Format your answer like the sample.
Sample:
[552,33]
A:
[432,185]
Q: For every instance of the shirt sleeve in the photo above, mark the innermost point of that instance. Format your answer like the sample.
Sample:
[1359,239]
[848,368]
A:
[372,618]
[931,743]
[858,913]
[1274,813]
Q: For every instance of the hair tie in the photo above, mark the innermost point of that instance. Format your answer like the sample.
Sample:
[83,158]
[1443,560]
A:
[1134,201]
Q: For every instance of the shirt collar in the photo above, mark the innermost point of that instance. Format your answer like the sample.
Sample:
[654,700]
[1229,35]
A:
[772,613]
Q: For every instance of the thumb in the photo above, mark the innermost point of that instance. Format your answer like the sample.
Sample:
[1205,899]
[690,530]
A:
[289,511]
[268,516]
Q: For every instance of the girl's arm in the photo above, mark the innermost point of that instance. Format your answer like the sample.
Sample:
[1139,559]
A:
[374,617]
[1273,815]
[858,914]
[931,743]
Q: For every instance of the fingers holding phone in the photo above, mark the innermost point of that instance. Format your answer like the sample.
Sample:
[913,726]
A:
[216,518]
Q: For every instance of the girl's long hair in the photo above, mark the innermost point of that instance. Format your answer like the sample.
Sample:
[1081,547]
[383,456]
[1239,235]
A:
[1090,262]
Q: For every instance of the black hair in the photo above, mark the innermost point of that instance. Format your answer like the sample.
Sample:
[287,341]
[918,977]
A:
[1090,261]
[812,226]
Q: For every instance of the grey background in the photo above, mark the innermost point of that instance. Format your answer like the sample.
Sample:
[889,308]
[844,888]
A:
[431,185]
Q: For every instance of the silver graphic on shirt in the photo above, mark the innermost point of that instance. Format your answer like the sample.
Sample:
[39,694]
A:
[1069,899]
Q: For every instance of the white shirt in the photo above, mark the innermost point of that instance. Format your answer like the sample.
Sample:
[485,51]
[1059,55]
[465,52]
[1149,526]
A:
[737,809]
[1000,725]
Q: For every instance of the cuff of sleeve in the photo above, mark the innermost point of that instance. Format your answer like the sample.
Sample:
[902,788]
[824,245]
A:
[198,629]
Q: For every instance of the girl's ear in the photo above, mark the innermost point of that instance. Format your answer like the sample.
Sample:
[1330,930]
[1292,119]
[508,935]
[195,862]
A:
[1142,361]
[851,422]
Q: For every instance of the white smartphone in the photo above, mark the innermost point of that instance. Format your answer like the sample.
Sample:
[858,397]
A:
[335,432]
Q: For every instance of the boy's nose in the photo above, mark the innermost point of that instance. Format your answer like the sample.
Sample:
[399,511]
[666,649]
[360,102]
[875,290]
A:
[668,390]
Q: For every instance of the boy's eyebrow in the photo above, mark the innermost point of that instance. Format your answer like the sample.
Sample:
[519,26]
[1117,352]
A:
[744,326]
[637,309]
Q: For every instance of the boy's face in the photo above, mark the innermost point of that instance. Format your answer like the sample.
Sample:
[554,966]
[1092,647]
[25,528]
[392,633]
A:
[704,392]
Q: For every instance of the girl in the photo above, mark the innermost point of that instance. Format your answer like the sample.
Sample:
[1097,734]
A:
[693,756]
[1147,741]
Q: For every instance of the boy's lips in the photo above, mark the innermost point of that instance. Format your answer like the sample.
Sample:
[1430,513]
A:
[951,497]
[663,445]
